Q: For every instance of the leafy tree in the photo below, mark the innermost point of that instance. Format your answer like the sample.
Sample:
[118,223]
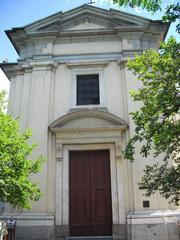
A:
[2,100]
[172,12]
[151,5]
[15,165]
[157,123]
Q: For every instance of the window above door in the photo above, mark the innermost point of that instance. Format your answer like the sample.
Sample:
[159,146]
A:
[88,89]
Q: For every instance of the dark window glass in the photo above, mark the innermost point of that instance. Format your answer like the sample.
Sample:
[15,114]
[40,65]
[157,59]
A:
[88,89]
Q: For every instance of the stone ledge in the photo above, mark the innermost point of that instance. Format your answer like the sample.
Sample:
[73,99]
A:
[153,217]
[30,219]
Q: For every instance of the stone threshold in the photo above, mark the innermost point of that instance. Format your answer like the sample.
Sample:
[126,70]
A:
[90,238]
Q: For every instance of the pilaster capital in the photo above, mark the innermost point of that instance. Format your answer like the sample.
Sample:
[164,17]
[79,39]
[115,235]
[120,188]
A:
[122,62]
[43,66]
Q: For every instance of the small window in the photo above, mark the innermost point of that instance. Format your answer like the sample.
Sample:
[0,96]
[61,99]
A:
[87,90]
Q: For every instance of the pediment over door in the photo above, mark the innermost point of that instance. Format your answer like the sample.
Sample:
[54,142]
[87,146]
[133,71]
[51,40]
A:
[84,120]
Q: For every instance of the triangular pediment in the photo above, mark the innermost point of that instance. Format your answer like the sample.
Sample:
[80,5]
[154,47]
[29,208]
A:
[85,21]
[86,18]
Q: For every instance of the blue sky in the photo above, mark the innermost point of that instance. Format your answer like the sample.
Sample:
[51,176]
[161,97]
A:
[17,13]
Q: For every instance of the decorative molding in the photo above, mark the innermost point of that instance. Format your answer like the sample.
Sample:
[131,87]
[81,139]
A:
[43,66]
[88,129]
[113,120]
[60,25]
[10,69]
[20,72]
[88,59]
[28,70]
[85,70]
[59,152]
[118,145]
[109,18]
[87,64]
[122,62]
[62,181]
[101,109]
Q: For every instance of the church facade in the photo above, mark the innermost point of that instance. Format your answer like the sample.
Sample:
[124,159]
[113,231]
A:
[70,85]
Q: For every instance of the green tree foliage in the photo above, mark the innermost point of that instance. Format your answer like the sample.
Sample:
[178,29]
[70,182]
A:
[150,5]
[16,188]
[2,100]
[172,12]
[157,123]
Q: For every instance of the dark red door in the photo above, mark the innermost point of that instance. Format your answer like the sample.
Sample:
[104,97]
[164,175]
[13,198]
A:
[90,193]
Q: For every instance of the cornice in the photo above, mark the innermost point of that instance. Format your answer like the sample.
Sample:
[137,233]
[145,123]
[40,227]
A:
[43,65]
[13,69]
[50,63]
[94,129]
[87,32]
[73,65]
[10,69]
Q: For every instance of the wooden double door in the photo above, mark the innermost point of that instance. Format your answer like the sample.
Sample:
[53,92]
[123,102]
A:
[90,193]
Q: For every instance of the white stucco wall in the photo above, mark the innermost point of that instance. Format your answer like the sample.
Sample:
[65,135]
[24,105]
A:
[41,97]
[87,47]
[44,92]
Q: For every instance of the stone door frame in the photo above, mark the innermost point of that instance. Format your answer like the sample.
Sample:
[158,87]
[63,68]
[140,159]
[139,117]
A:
[62,183]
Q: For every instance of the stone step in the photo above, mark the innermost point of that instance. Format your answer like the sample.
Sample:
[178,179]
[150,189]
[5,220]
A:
[91,238]
[86,238]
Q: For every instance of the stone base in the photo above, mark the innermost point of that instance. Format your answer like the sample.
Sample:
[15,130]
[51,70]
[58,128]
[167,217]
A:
[140,226]
[35,233]
[120,232]
[33,226]
[62,231]
[168,231]
[164,231]
[153,225]
[155,232]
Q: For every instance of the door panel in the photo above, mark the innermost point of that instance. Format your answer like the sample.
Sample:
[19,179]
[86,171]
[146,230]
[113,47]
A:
[101,212]
[90,193]
[79,193]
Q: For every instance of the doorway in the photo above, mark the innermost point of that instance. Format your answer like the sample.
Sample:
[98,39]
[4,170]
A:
[90,193]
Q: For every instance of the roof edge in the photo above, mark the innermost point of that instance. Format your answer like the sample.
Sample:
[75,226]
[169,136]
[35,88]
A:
[8,33]
[4,67]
